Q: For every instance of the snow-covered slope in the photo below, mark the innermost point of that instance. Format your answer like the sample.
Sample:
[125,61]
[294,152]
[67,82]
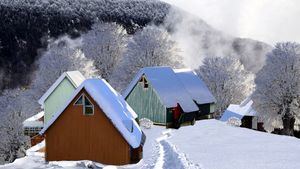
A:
[215,145]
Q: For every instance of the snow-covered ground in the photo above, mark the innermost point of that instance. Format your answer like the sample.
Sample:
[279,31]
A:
[216,145]
[209,144]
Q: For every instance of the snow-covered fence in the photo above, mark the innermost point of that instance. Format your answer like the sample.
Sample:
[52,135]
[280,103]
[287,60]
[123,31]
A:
[146,123]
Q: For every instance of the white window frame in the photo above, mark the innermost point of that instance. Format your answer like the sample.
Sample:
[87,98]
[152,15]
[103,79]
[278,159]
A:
[82,95]
[83,106]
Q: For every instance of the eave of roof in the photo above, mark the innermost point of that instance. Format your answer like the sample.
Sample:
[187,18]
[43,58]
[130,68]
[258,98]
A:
[75,77]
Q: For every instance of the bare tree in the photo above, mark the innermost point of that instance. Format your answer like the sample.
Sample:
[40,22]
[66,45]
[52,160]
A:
[151,46]
[105,44]
[277,94]
[229,82]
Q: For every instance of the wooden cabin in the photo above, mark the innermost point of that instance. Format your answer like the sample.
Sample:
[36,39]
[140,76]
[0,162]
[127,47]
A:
[245,113]
[95,124]
[51,102]
[32,126]
[169,97]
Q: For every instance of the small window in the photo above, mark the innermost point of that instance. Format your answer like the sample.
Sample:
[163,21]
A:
[79,100]
[144,81]
[146,84]
[88,108]
[141,79]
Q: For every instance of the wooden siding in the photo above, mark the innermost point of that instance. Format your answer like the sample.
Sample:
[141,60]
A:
[36,140]
[58,98]
[146,103]
[75,136]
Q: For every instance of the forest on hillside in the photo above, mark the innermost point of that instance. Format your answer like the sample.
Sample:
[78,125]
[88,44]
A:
[27,25]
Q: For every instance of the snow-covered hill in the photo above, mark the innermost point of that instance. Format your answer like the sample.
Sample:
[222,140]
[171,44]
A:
[27,26]
[209,144]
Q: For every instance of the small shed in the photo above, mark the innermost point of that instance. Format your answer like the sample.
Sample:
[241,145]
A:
[244,112]
[32,126]
[61,90]
[169,97]
[95,124]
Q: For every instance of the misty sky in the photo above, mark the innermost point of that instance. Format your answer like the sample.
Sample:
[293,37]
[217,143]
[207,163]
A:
[265,20]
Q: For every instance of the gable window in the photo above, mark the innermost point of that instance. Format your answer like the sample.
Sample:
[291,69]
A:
[79,100]
[88,107]
[144,81]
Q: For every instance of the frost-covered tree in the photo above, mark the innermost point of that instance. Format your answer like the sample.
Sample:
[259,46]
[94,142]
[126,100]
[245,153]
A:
[277,93]
[104,44]
[227,79]
[12,142]
[151,46]
[62,55]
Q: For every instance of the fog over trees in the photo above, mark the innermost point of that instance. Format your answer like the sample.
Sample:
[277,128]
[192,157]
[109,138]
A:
[26,27]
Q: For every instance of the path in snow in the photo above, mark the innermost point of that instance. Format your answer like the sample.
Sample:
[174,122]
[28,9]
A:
[169,158]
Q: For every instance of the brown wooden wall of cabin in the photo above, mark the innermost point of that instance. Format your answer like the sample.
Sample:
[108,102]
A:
[74,136]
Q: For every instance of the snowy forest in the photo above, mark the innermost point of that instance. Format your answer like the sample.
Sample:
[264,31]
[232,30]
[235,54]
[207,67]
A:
[39,40]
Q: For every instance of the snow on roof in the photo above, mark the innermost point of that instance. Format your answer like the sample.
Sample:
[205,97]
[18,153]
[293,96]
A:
[33,120]
[195,86]
[113,105]
[244,109]
[75,77]
[168,86]
[33,151]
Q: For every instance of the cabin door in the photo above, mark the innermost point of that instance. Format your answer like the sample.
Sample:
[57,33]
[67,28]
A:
[247,122]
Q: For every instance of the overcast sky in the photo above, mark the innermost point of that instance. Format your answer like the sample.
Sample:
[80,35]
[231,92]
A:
[265,20]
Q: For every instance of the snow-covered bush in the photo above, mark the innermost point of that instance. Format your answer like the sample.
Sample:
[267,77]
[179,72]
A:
[12,142]
[146,123]
[227,79]
[233,121]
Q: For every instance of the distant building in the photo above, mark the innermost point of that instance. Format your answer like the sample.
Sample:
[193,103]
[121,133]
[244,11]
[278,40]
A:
[94,124]
[61,90]
[54,98]
[169,97]
[245,113]
[32,126]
